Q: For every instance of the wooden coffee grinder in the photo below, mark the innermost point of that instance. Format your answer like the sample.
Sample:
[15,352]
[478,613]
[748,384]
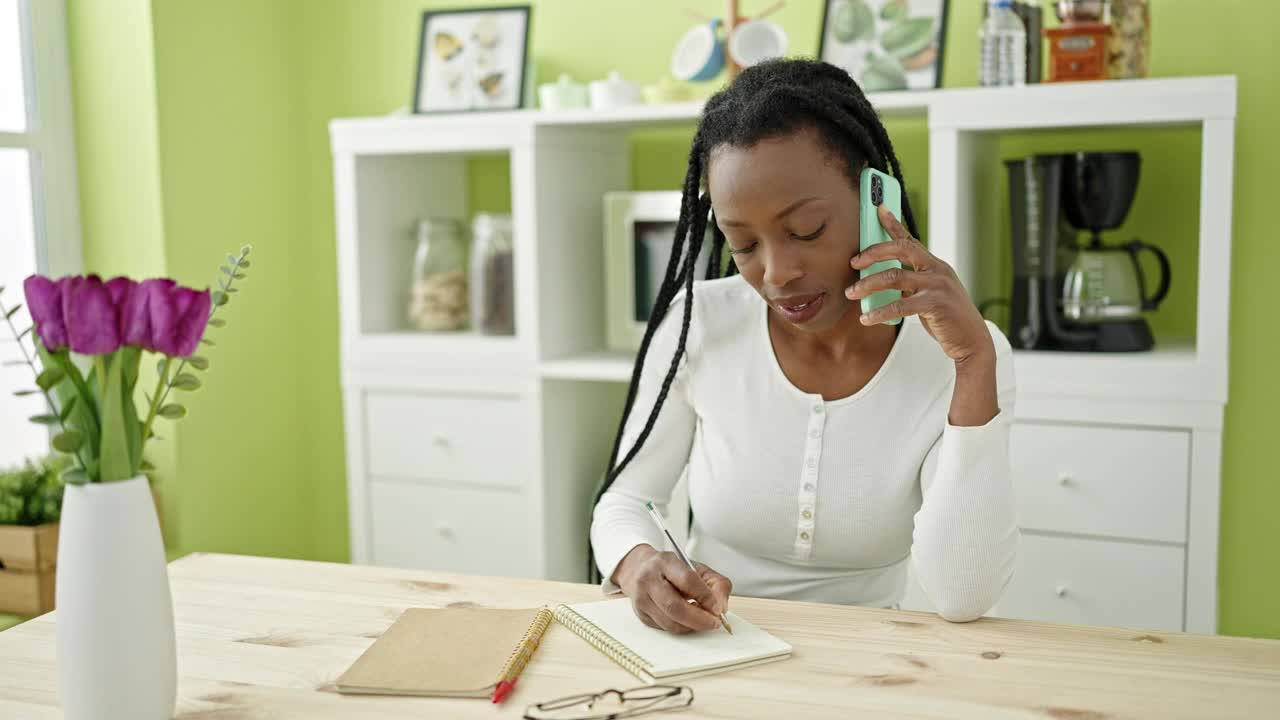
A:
[1078,47]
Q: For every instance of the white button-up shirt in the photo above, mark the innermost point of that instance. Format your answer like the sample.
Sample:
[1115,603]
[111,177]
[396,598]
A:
[796,497]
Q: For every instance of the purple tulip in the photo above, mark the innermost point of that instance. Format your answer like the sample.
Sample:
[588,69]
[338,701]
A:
[93,323]
[44,301]
[178,316]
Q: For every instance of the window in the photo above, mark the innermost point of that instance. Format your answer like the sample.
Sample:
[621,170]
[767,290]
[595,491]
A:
[39,207]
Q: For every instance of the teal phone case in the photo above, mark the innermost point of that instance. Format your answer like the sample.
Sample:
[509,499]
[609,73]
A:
[871,232]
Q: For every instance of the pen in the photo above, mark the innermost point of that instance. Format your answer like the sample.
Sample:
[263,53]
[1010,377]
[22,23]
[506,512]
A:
[653,513]
[516,663]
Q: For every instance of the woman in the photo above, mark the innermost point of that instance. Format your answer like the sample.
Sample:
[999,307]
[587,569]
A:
[825,449]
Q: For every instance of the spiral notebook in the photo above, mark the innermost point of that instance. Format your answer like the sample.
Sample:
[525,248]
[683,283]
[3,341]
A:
[658,656]
[448,652]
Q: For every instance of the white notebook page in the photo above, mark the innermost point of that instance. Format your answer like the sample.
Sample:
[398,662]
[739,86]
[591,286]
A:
[673,654]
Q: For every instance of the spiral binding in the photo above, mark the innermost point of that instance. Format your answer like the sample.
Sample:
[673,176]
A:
[524,650]
[602,641]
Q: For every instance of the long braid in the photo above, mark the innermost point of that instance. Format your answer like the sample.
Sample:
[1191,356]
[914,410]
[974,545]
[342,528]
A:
[717,249]
[692,207]
[770,99]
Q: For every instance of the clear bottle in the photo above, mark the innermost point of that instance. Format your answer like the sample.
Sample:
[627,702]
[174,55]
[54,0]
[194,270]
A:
[493,275]
[438,286]
[1003,42]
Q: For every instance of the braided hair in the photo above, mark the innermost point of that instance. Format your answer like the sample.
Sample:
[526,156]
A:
[768,100]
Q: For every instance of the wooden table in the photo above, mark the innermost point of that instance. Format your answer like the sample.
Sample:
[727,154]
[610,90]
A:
[264,638]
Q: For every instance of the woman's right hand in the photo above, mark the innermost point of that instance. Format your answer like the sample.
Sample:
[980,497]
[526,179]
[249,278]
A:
[661,586]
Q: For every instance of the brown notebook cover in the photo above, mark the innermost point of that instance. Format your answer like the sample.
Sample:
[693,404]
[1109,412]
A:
[449,652]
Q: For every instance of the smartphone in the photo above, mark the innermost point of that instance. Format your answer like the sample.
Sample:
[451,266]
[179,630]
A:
[875,189]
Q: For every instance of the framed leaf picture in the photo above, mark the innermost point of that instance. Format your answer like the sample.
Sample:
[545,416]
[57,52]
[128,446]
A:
[472,59]
[886,44]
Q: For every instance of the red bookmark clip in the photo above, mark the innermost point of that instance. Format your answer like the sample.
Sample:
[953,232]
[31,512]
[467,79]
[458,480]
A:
[504,689]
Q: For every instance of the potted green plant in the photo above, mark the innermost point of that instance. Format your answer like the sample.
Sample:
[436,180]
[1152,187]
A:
[116,653]
[30,503]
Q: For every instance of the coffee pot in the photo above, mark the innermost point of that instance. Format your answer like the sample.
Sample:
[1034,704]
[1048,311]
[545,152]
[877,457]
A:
[1106,283]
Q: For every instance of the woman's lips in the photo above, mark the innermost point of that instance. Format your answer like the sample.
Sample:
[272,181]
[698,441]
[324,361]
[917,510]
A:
[800,309]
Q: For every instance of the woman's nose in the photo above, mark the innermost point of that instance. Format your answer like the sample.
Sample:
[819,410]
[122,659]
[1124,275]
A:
[781,266]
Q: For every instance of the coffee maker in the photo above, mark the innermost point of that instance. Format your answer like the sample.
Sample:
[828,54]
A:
[1067,296]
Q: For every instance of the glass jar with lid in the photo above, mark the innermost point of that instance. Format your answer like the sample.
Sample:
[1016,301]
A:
[438,287]
[493,275]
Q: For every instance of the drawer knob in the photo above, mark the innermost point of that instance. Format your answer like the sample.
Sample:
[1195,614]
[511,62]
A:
[1061,590]
[1065,480]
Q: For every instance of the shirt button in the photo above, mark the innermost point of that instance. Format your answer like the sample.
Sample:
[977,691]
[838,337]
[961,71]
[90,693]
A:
[812,463]
[806,514]
[815,433]
[817,409]
[804,536]
[808,487]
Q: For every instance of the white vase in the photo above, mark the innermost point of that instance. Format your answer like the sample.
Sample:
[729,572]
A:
[116,653]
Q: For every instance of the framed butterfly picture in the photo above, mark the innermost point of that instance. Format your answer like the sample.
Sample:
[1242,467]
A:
[472,59]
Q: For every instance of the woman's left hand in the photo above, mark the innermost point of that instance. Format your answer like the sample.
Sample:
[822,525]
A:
[930,289]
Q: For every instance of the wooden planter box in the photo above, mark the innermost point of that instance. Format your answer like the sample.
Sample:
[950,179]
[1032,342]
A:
[28,565]
[28,556]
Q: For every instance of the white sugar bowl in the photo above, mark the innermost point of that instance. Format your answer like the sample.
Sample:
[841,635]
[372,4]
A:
[614,91]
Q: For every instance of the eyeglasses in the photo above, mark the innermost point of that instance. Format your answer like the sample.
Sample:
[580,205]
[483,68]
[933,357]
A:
[612,704]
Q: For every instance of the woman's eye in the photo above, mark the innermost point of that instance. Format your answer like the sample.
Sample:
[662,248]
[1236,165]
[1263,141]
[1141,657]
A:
[811,236]
[742,251]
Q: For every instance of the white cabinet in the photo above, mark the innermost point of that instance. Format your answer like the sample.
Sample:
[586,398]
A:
[450,529]
[1097,480]
[482,454]
[1098,582]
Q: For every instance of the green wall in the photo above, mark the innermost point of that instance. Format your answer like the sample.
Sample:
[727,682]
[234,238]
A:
[243,94]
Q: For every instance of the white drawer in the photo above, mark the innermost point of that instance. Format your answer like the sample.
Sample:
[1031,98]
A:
[1096,582]
[1118,482]
[453,438]
[479,532]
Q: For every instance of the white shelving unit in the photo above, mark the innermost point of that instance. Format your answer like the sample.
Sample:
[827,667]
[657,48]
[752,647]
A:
[481,454]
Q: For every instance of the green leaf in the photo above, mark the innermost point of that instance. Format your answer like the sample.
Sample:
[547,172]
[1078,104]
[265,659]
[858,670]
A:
[231,260]
[67,408]
[50,377]
[130,358]
[24,393]
[244,265]
[239,276]
[223,283]
[207,341]
[85,416]
[173,411]
[245,250]
[217,322]
[114,451]
[220,298]
[74,476]
[186,381]
[44,419]
[198,362]
[68,442]
[13,311]
[226,270]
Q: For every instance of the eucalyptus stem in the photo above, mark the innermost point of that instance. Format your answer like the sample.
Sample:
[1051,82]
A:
[53,408]
[213,310]
[156,400]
